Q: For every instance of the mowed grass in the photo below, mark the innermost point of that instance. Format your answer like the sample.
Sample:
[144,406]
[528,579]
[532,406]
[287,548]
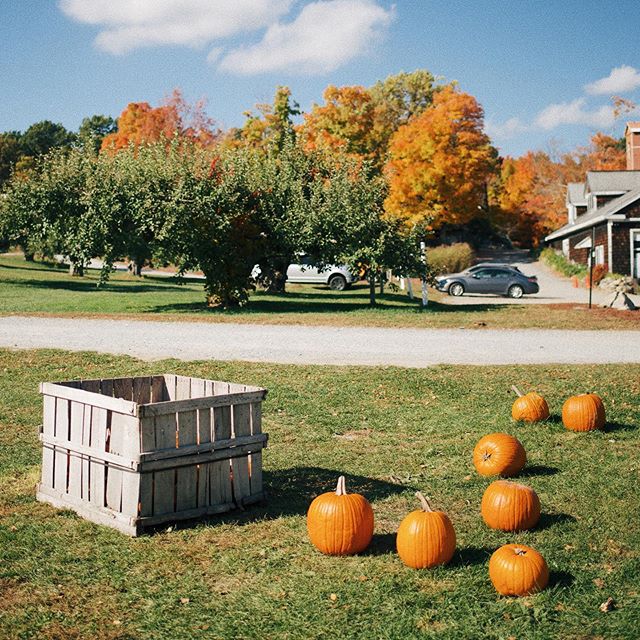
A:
[42,289]
[392,431]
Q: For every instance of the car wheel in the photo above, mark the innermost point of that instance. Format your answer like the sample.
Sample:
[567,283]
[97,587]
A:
[516,291]
[337,283]
[456,289]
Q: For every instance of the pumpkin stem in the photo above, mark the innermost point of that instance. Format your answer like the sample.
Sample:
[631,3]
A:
[519,552]
[426,505]
[517,391]
[341,487]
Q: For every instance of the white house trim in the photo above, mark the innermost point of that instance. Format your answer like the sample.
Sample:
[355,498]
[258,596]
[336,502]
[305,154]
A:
[609,247]
[585,243]
[632,232]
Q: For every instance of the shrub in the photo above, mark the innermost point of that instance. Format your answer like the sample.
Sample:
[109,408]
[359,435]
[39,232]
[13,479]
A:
[599,272]
[559,263]
[450,258]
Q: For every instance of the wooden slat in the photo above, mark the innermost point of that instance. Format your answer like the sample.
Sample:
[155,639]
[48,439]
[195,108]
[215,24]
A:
[204,438]
[147,443]
[220,472]
[123,388]
[86,397]
[197,388]
[183,388]
[241,425]
[86,449]
[98,442]
[187,476]
[158,389]
[176,406]
[114,474]
[60,456]
[164,481]
[75,461]
[129,449]
[106,387]
[201,458]
[48,430]
[170,385]
[255,459]
[142,390]
[89,452]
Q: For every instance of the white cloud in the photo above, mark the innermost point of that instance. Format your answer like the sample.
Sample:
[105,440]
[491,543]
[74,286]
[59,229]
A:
[325,35]
[574,112]
[621,80]
[505,130]
[132,24]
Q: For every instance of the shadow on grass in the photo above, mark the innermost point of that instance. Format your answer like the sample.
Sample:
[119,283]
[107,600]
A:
[550,520]
[538,470]
[468,556]
[554,419]
[619,426]
[561,579]
[289,492]
[87,286]
[381,544]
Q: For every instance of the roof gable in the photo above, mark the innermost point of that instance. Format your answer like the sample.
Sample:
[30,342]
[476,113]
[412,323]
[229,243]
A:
[607,181]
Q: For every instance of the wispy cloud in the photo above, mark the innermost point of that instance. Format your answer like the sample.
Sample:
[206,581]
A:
[621,80]
[324,36]
[575,112]
[132,24]
[505,130]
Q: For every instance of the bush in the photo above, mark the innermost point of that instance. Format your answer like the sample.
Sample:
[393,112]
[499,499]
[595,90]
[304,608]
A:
[559,263]
[450,258]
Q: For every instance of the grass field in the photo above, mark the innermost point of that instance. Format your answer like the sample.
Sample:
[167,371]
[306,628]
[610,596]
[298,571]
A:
[391,431]
[37,288]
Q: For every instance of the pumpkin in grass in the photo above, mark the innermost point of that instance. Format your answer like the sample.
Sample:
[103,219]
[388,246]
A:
[425,537]
[499,454]
[510,506]
[530,407]
[340,523]
[584,412]
[518,570]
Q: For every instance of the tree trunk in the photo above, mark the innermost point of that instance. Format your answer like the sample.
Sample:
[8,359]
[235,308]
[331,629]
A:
[135,267]
[28,255]
[372,288]
[381,285]
[76,269]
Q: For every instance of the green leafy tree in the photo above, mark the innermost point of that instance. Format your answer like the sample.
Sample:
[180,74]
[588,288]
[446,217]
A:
[94,129]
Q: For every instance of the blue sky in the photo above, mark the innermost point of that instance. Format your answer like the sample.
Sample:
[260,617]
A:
[544,71]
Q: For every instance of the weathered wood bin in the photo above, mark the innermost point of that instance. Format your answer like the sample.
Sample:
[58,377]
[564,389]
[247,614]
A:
[132,453]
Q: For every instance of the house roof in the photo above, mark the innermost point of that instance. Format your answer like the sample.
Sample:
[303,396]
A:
[575,194]
[597,215]
[603,181]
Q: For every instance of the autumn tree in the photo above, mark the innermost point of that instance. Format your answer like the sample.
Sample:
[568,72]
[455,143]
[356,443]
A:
[141,123]
[440,162]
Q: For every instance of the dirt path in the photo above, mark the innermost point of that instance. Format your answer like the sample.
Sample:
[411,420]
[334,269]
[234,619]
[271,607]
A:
[319,345]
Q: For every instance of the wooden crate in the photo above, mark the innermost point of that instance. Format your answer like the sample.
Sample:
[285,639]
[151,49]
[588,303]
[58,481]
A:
[138,452]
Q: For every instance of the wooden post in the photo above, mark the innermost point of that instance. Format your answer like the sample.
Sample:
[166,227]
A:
[425,295]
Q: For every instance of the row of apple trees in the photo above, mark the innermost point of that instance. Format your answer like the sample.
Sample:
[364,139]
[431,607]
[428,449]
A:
[221,213]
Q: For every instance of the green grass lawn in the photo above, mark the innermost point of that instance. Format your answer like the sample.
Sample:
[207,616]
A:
[38,288]
[391,431]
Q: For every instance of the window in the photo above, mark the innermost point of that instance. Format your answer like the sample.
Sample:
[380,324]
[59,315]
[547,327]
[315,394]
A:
[483,273]
[600,254]
[502,274]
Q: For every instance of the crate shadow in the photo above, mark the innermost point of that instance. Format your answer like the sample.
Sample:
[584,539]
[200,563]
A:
[538,470]
[289,492]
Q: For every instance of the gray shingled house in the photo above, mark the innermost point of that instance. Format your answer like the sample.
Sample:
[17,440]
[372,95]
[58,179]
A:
[604,211]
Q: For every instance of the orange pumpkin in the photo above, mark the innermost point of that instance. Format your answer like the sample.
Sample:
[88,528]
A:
[531,407]
[510,506]
[499,454]
[583,413]
[425,537]
[518,570]
[340,523]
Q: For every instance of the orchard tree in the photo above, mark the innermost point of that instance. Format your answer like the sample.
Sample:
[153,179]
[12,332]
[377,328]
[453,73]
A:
[440,162]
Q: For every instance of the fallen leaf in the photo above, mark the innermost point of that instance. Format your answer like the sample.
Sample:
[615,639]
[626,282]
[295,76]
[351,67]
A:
[608,605]
[467,478]
[184,600]
[333,597]
[599,582]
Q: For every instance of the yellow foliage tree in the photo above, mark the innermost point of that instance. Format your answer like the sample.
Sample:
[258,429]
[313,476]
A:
[440,162]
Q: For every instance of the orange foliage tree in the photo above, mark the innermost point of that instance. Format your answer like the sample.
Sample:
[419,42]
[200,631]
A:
[529,195]
[140,123]
[440,162]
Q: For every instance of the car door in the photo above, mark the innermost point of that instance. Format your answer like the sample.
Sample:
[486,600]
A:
[501,280]
[303,271]
[480,281]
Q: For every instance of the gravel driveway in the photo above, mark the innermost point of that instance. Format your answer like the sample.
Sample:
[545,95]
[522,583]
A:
[320,345]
